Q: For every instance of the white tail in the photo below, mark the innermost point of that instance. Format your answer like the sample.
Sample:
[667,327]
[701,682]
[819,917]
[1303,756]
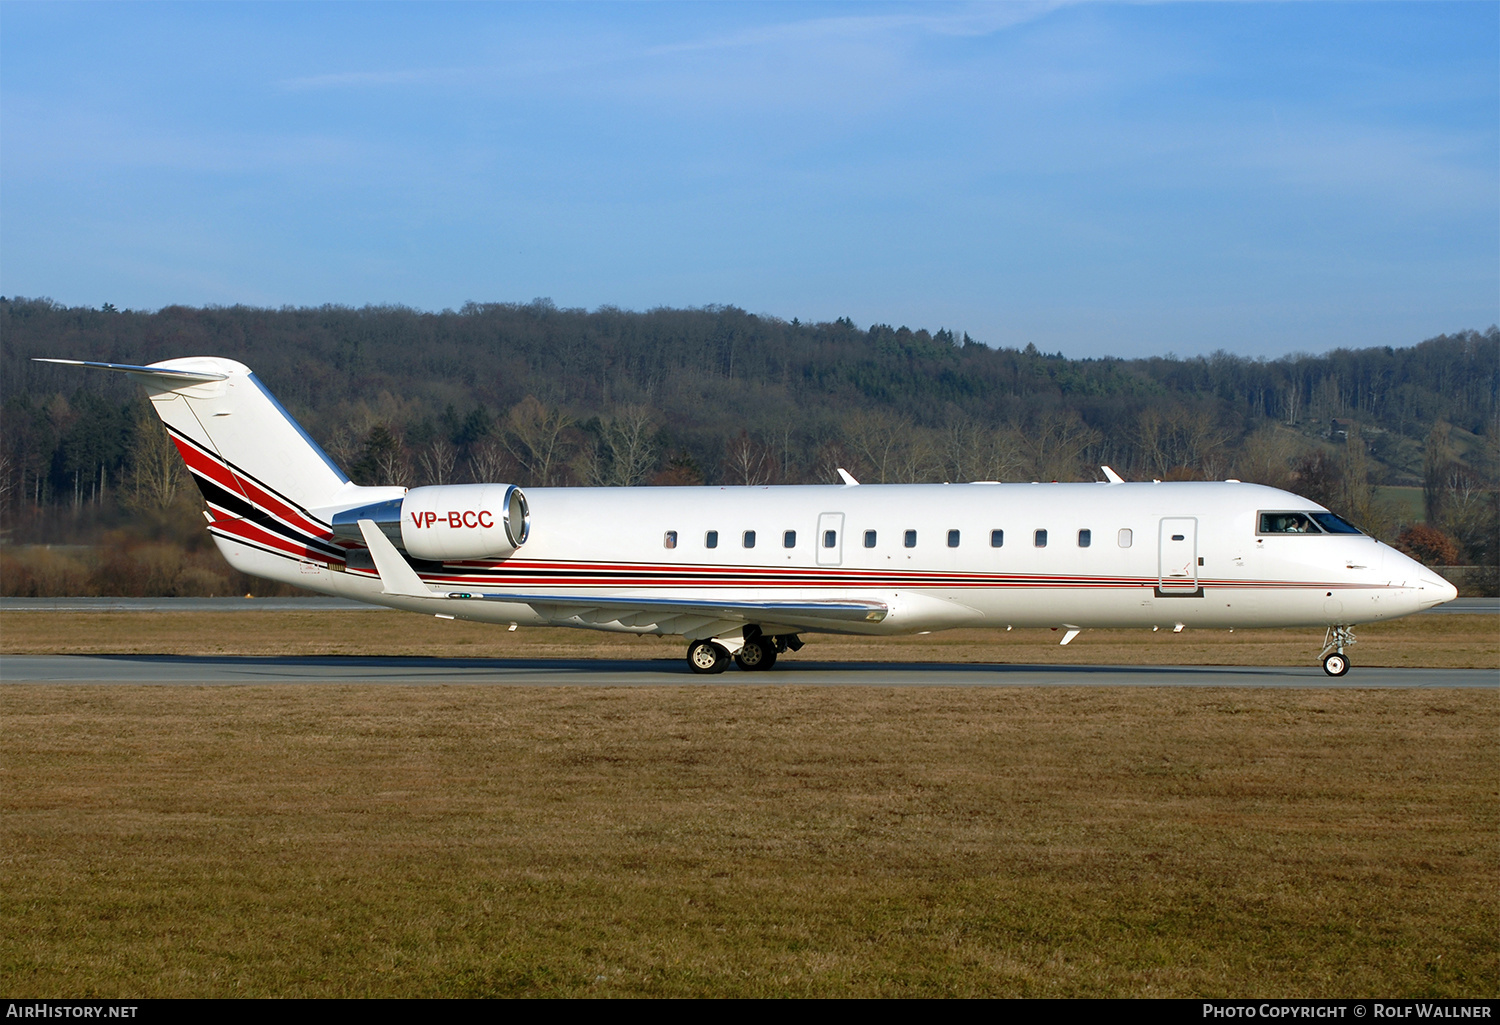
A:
[218,412]
[267,483]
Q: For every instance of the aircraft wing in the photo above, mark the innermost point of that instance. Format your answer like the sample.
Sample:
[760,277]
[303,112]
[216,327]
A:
[691,617]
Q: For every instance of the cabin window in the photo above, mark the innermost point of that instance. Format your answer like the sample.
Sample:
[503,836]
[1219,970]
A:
[830,539]
[1127,538]
[711,539]
[789,539]
[1040,539]
[869,539]
[1085,538]
[952,539]
[669,540]
[749,539]
[997,539]
[911,539]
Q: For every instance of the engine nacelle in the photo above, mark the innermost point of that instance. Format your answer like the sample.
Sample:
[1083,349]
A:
[447,521]
[464,521]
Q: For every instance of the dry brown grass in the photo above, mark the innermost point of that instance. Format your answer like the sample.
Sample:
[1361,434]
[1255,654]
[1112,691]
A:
[748,841]
[1436,641]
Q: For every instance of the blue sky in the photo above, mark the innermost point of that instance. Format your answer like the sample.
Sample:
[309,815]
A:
[1121,179]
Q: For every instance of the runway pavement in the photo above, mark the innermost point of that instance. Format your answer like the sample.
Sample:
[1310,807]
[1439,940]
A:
[1459,606]
[195,670]
[187,605]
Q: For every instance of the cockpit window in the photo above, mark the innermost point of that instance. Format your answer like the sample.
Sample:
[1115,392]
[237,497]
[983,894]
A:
[1287,523]
[1335,524]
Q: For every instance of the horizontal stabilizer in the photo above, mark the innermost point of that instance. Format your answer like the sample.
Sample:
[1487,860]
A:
[127,368]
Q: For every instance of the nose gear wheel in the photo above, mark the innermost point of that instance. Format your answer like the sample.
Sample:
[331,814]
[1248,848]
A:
[1335,662]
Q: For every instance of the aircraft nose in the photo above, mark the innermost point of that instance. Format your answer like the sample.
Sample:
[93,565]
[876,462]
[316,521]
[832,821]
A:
[1436,590]
[1424,588]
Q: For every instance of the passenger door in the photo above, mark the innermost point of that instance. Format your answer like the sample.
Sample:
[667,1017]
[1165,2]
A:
[1178,561]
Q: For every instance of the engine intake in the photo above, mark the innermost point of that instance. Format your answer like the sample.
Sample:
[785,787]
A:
[447,521]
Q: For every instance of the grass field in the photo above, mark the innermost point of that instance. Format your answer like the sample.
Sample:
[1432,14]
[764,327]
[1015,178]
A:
[749,840]
[1404,503]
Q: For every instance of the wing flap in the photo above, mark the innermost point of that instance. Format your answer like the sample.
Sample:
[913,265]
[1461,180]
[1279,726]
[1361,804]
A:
[691,617]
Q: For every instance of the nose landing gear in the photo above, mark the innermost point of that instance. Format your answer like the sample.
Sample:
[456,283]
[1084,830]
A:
[1335,662]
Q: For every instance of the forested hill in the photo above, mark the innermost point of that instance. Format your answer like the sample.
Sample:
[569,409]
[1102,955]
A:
[707,366]
[543,395]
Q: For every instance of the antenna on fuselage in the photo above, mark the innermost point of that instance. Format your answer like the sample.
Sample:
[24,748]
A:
[1114,478]
[847,477]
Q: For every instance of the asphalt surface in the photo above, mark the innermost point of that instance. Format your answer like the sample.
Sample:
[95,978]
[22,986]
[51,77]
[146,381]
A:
[1460,606]
[175,669]
[187,605]
[197,670]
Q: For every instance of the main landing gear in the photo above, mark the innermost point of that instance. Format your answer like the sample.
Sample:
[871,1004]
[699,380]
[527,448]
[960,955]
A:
[1335,662]
[707,657]
[756,652]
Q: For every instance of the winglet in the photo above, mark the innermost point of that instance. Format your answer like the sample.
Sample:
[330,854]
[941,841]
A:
[847,478]
[396,576]
[1114,478]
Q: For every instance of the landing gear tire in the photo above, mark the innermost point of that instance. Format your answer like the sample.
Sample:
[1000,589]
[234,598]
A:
[758,653]
[707,657]
[1336,664]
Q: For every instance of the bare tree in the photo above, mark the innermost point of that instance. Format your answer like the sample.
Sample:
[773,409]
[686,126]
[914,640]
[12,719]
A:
[832,457]
[437,460]
[157,475]
[491,462]
[536,436]
[1151,441]
[747,461]
[1436,460]
[963,441]
[999,455]
[388,457]
[624,453]
[1266,457]
[343,446]
[917,460]
[628,438]
[1356,495]
[877,437]
[1181,442]
[8,485]
[1054,442]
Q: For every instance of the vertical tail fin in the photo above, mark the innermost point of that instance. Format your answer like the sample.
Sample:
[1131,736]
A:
[246,453]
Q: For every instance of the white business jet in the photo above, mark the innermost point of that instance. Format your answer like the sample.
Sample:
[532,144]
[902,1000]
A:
[741,572]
